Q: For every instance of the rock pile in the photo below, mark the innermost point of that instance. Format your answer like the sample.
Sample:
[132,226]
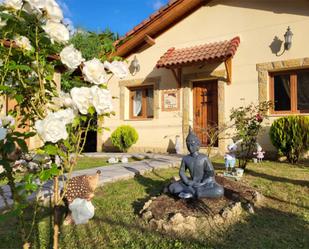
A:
[180,216]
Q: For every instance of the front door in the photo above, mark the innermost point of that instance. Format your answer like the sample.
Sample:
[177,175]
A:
[205,107]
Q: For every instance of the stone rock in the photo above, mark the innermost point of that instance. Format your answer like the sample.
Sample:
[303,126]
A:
[248,207]
[146,206]
[177,219]
[138,157]
[282,159]
[156,224]
[257,198]
[124,159]
[113,160]
[232,211]
[147,215]
[33,166]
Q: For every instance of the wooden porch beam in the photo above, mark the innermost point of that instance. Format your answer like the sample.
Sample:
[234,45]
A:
[228,68]
[149,40]
[177,74]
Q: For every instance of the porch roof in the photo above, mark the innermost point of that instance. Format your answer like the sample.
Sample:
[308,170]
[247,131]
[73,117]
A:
[216,51]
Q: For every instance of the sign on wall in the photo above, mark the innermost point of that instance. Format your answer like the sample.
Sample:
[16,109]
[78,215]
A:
[170,100]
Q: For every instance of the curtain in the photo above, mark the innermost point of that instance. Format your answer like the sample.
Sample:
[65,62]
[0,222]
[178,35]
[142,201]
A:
[137,103]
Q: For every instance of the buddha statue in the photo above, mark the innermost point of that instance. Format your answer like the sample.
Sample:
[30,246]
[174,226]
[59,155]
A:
[201,183]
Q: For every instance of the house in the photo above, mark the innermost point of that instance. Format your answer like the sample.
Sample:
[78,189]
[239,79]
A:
[198,59]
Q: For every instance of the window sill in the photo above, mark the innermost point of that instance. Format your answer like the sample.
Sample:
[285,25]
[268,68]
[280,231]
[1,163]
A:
[288,114]
[139,119]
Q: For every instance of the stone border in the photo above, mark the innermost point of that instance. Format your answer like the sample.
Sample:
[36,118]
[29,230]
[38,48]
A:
[265,68]
[123,84]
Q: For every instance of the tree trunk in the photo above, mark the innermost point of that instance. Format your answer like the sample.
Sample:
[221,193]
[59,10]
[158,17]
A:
[56,214]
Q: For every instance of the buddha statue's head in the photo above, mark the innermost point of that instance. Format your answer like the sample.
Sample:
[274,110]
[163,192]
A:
[192,141]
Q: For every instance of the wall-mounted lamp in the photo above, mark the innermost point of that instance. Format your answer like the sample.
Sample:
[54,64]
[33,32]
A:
[135,66]
[288,39]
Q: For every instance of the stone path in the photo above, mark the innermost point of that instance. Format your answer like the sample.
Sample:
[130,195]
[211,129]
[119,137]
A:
[108,173]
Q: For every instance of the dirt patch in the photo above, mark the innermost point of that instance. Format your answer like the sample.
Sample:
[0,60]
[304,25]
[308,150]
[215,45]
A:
[172,214]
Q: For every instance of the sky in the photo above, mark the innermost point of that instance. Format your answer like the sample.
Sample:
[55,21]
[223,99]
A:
[120,16]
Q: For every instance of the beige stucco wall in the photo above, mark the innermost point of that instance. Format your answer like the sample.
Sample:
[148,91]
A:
[257,22]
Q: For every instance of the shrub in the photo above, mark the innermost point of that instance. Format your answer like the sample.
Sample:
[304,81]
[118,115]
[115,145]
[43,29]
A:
[248,123]
[290,135]
[124,137]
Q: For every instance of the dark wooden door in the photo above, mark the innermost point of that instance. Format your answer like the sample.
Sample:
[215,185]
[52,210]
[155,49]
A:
[205,107]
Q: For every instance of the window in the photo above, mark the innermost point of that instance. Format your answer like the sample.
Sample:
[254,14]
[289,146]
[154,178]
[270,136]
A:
[141,102]
[289,91]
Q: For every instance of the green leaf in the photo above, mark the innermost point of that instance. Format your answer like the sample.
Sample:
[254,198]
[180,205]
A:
[9,147]
[31,187]
[44,175]
[91,110]
[22,144]
[19,98]
[54,170]
[51,149]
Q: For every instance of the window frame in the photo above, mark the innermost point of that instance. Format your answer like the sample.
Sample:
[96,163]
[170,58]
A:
[293,91]
[144,102]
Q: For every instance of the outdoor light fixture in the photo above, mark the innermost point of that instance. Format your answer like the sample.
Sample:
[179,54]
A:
[288,39]
[135,66]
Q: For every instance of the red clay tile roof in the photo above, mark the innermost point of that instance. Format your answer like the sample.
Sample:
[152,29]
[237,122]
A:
[207,52]
[167,16]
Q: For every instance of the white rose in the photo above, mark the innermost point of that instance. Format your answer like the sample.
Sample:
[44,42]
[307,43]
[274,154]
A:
[15,4]
[71,57]
[53,11]
[51,129]
[1,169]
[82,98]
[3,133]
[7,121]
[23,42]
[101,100]
[119,68]
[67,115]
[57,32]
[34,6]
[94,72]
[2,23]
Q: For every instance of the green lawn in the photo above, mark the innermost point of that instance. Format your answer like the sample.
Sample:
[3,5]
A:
[93,162]
[282,222]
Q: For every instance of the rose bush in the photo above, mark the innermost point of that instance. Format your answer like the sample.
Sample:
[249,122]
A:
[34,48]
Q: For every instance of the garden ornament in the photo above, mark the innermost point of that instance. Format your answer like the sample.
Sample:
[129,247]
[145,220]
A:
[82,187]
[80,191]
[82,211]
[230,155]
[177,145]
[202,175]
[259,153]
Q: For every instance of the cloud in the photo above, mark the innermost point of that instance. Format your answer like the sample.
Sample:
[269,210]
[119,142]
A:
[65,8]
[69,24]
[157,4]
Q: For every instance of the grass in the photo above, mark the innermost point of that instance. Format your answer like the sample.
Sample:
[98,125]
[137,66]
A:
[282,222]
[93,162]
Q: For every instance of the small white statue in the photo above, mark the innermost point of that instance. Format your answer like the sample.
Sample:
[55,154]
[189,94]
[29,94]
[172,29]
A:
[259,153]
[177,145]
[230,155]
